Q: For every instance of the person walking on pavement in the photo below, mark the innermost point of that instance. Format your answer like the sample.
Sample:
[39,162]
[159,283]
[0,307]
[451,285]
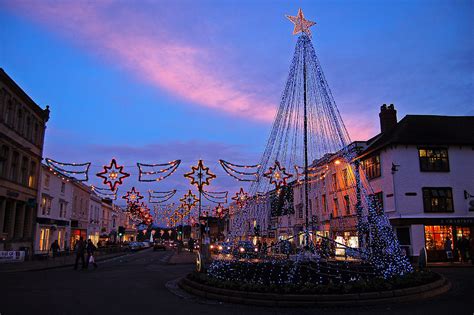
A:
[55,248]
[90,254]
[448,248]
[80,247]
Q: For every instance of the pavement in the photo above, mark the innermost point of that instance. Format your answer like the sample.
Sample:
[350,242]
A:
[145,283]
[51,263]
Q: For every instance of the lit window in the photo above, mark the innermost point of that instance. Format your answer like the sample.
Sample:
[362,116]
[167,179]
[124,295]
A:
[436,199]
[372,166]
[433,160]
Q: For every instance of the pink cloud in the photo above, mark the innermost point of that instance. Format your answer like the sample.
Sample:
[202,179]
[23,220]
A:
[180,68]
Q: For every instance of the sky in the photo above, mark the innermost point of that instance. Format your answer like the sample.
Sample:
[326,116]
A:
[154,81]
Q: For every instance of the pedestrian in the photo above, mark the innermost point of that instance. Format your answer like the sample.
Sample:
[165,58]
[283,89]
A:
[79,248]
[265,248]
[90,254]
[448,248]
[55,248]
[462,248]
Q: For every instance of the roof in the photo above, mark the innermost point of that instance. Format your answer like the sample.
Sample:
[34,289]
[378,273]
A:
[426,130]
[6,79]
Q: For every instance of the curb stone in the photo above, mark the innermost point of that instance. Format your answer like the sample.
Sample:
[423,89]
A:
[429,290]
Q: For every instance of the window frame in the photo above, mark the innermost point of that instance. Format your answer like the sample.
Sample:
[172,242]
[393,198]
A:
[447,190]
[420,159]
[368,173]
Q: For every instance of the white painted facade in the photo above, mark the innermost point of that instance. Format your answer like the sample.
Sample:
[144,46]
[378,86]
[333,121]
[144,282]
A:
[53,211]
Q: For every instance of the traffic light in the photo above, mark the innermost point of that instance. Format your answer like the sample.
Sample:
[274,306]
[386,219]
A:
[121,230]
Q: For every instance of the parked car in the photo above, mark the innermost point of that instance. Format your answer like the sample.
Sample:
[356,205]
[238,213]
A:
[245,249]
[159,245]
[134,246]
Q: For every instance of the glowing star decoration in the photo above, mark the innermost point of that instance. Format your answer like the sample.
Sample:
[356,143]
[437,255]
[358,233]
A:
[241,198]
[113,175]
[189,200]
[301,24]
[132,196]
[277,175]
[200,175]
[219,210]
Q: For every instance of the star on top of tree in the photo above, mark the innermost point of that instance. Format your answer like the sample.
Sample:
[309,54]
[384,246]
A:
[113,175]
[200,175]
[277,175]
[301,24]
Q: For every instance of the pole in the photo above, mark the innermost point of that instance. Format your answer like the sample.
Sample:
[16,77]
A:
[306,195]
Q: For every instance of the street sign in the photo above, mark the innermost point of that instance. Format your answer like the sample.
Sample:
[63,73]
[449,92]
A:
[12,256]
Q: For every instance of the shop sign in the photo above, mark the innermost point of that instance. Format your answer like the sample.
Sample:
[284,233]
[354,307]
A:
[12,256]
[458,221]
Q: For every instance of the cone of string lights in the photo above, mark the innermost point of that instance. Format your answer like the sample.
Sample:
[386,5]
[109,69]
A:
[308,141]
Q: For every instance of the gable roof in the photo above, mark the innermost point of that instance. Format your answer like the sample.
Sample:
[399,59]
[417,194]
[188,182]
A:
[426,130]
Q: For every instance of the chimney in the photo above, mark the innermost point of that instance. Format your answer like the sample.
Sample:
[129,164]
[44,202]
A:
[388,117]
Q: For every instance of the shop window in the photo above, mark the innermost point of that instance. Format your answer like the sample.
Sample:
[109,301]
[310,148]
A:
[433,160]
[372,167]
[435,236]
[44,239]
[438,199]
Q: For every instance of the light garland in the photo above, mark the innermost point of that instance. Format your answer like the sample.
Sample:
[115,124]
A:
[60,167]
[165,168]
[240,198]
[189,200]
[215,196]
[245,176]
[105,193]
[160,196]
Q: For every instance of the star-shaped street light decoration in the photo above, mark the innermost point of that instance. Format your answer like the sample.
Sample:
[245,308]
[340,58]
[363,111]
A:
[277,175]
[200,175]
[113,175]
[301,24]
[219,210]
[189,200]
[132,196]
[241,198]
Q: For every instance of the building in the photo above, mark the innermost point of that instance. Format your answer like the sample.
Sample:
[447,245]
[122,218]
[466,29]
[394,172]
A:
[107,210]
[80,212]
[420,171]
[54,211]
[422,168]
[95,217]
[22,130]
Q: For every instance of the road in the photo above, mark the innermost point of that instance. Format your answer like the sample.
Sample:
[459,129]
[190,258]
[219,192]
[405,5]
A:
[141,283]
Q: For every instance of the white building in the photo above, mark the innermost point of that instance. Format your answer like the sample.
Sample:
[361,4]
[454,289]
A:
[423,168]
[95,218]
[54,211]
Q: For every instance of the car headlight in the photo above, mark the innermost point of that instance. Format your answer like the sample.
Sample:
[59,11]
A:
[255,249]
[212,246]
[241,249]
[220,247]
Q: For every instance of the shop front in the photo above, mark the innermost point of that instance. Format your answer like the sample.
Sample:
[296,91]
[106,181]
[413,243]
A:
[453,229]
[76,234]
[48,231]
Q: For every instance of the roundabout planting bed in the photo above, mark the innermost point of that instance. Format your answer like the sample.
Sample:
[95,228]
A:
[353,284]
